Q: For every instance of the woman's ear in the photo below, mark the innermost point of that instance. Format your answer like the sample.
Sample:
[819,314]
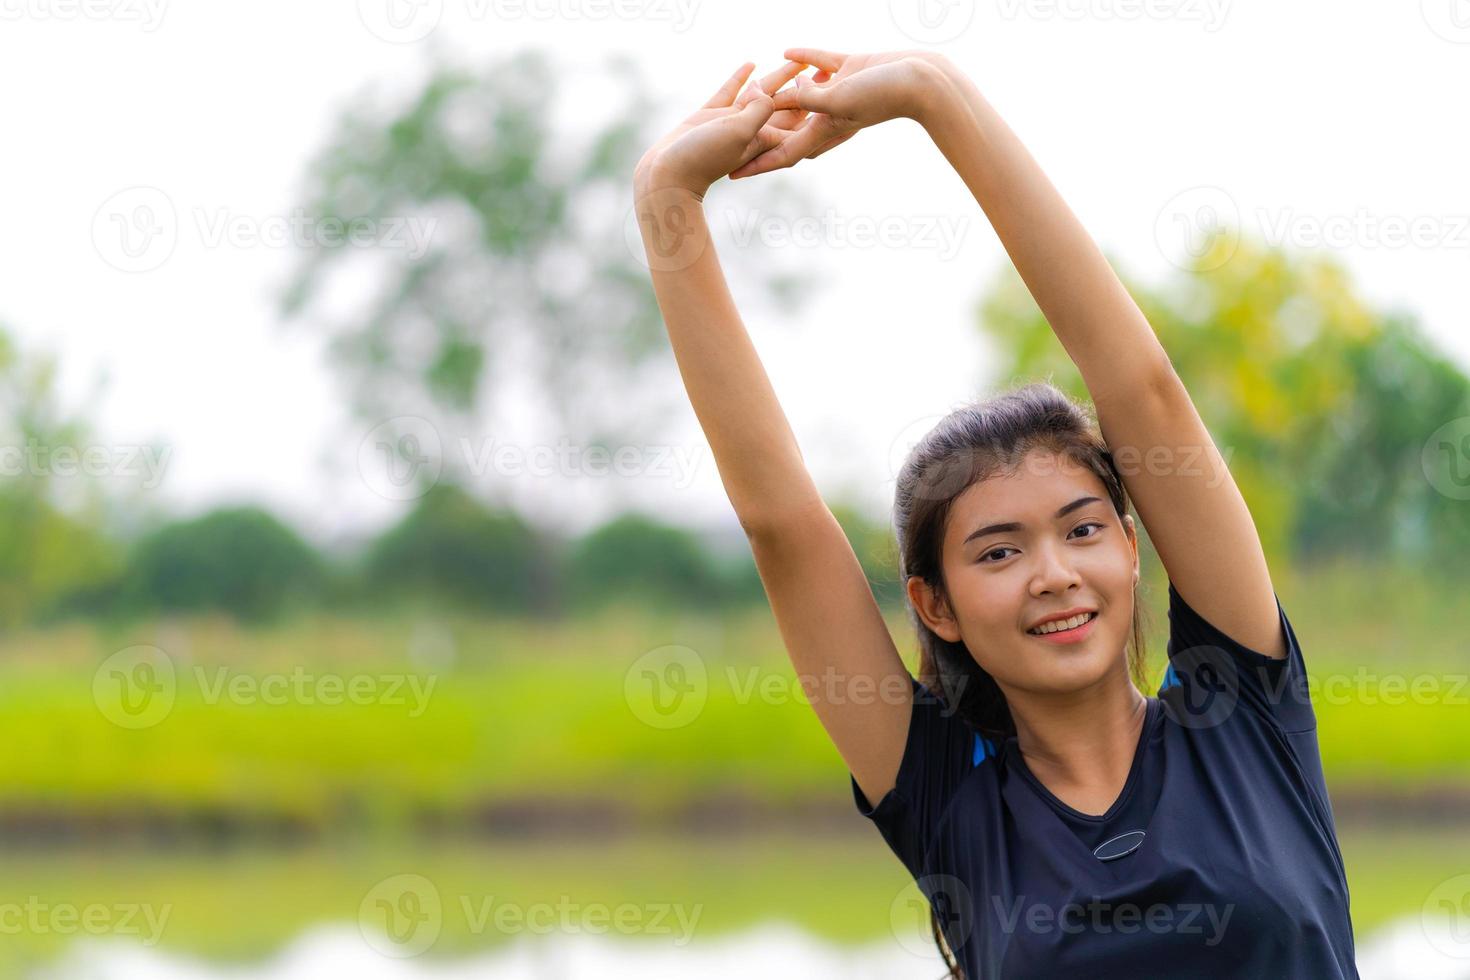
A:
[1132,543]
[932,609]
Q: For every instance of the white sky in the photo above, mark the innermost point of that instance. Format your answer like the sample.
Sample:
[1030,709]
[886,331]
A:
[1310,113]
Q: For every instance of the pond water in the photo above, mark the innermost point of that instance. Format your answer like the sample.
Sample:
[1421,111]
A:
[1409,949]
[802,905]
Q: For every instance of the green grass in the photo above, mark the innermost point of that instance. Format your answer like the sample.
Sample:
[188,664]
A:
[521,709]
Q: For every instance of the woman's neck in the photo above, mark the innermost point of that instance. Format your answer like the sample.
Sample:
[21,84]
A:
[1081,744]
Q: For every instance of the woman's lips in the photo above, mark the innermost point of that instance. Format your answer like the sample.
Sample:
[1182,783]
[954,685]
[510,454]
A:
[1074,635]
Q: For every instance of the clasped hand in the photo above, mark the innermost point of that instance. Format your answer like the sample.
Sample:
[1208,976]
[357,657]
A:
[746,130]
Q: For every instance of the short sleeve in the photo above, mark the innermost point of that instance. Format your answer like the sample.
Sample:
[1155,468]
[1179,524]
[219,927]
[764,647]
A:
[1218,676]
[939,751]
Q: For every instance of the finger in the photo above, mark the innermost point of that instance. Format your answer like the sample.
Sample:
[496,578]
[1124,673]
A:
[829,145]
[806,95]
[788,118]
[756,112]
[727,92]
[781,76]
[826,60]
[812,134]
[769,84]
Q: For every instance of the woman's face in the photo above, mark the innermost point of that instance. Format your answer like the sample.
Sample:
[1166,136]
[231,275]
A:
[1055,551]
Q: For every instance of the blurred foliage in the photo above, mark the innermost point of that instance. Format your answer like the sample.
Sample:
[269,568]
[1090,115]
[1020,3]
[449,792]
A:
[53,552]
[1320,405]
[635,557]
[531,284]
[241,560]
[876,550]
[450,547]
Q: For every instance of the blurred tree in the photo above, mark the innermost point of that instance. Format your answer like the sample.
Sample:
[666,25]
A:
[451,547]
[240,560]
[53,547]
[636,557]
[527,296]
[1320,405]
[876,550]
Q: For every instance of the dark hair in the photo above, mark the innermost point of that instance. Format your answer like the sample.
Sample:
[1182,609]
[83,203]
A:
[969,445]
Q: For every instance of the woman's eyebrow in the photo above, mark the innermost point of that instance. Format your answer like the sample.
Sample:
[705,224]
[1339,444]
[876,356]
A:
[1017,526]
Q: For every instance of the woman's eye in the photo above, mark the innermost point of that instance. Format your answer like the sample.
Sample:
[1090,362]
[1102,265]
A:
[986,557]
[1100,526]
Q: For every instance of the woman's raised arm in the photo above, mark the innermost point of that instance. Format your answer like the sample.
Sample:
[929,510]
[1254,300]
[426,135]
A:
[1195,515]
[824,607]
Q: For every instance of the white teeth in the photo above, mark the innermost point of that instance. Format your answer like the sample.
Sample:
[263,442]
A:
[1062,624]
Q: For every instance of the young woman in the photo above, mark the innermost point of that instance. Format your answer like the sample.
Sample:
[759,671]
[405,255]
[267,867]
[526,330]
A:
[1059,822]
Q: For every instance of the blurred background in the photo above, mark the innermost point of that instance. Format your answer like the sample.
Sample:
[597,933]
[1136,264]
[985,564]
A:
[368,597]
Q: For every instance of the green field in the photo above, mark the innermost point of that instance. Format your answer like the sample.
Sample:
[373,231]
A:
[262,722]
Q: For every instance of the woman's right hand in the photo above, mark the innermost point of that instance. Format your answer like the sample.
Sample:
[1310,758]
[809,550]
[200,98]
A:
[849,92]
[732,127]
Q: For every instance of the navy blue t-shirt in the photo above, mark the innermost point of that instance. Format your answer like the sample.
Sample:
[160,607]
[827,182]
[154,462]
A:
[1221,850]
